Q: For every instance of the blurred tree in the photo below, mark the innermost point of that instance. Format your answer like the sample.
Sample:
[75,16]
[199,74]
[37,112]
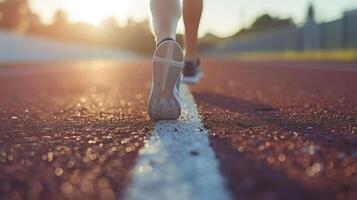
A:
[35,25]
[110,23]
[137,36]
[262,23]
[109,32]
[311,35]
[14,15]
[60,28]
[311,12]
[209,41]
[267,22]
[60,18]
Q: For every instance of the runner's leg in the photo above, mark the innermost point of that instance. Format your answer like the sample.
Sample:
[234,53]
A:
[164,102]
[192,11]
[165,15]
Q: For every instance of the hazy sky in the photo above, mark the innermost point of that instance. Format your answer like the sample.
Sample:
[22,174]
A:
[222,17]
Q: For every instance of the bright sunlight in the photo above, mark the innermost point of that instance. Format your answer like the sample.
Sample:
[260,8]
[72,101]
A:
[94,11]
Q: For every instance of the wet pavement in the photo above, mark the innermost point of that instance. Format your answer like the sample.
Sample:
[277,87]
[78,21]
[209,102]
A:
[278,132]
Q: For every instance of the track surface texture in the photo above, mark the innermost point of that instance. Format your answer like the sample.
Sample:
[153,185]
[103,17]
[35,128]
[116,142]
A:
[280,130]
[74,134]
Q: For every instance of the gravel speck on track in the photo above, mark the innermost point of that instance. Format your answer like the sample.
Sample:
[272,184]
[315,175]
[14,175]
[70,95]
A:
[280,132]
[72,135]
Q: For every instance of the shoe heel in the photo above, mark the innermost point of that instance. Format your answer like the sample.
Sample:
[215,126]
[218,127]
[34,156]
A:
[164,103]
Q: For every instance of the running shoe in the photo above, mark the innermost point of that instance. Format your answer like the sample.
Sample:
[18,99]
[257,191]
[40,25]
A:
[164,102]
[192,72]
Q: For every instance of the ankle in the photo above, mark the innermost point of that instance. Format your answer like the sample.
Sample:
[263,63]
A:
[158,42]
[164,37]
[191,57]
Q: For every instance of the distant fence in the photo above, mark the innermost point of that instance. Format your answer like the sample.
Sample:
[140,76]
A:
[339,34]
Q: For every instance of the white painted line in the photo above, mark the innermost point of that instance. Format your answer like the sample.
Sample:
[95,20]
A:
[177,161]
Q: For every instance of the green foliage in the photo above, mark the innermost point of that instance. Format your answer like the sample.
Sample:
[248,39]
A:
[266,22]
[263,23]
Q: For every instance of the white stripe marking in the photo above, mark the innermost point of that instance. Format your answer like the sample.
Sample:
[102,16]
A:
[167,167]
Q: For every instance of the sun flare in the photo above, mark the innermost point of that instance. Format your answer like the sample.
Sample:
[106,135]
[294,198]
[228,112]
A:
[95,11]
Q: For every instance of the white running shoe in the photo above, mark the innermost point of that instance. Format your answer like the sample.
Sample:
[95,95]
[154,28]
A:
[164,102]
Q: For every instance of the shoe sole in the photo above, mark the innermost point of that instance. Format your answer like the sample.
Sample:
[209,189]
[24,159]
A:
[192,80]
[164,102]
[201,75]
